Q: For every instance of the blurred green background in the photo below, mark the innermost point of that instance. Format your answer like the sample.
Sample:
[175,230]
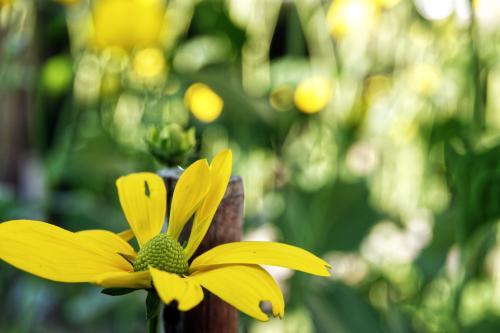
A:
[366,131]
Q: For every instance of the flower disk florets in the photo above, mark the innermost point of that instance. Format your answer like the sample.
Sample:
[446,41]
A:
[164,253]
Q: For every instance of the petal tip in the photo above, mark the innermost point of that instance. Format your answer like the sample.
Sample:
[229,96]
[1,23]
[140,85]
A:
[324,271]
[225,156]
[226,153]
[119,180]
[201,163]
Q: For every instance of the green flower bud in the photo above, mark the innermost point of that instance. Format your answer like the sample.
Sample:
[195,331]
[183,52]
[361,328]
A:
[171,145]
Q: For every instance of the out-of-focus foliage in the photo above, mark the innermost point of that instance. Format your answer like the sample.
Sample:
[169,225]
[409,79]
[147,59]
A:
[366,131]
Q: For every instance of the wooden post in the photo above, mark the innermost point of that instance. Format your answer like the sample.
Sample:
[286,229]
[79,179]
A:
[213,314]
[16,99]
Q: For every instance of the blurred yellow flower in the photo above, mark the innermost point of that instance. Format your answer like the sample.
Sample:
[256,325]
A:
[347,16]
[313,94]
[127,23]
[203,102]
[149,63]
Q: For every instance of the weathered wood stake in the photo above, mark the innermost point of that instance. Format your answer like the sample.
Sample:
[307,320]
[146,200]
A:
[213,314]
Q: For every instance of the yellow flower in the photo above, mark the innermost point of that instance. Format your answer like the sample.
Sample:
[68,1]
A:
[149,64]
[203,102]
[346,17]
[313,94]
[231,271]
[128,23]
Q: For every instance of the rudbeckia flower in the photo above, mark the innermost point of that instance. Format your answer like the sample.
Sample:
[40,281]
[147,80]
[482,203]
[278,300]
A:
[203,102]
[127,24]
[231,271]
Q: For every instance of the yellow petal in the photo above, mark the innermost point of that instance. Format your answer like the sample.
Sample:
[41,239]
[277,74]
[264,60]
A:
[56,254]
[108,241]
[126,235]
[189,192]
[144,200]
[220,171]
[263,253]
[170,287]
[244,287]
[125,280]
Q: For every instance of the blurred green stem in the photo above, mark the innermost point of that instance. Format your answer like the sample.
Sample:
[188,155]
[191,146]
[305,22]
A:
[295,42]
[478,73]
[479,78]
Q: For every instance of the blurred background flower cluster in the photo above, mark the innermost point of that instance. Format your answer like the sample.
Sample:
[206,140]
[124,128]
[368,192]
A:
[366,131]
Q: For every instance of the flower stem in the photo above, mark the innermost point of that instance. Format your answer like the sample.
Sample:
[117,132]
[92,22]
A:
[153,324]
[152,310]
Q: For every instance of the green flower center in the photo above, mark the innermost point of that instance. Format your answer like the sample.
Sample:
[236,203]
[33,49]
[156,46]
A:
[164,253]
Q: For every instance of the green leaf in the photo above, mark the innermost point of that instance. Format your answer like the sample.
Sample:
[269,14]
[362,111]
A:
[152,305]
[117,291]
